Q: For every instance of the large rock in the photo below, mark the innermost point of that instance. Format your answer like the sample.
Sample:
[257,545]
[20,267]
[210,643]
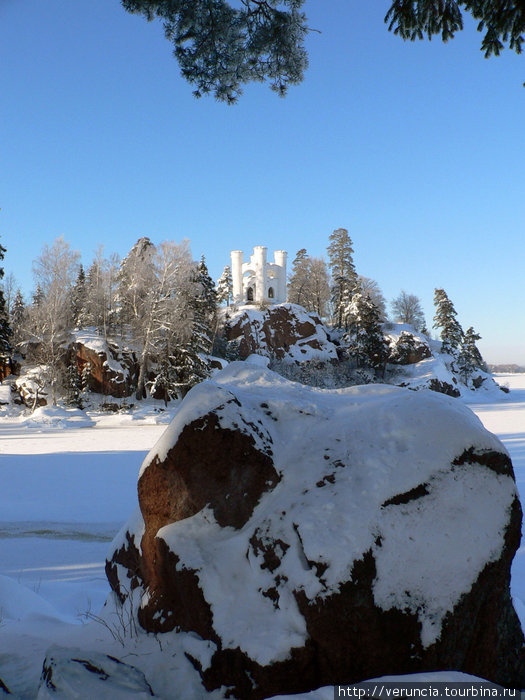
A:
[318,537]
[109,369]
[407,349]
[283,331]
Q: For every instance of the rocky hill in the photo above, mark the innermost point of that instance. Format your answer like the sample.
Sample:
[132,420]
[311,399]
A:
[297,343]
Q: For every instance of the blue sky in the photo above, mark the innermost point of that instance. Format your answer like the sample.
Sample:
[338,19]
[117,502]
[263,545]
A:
[417,149]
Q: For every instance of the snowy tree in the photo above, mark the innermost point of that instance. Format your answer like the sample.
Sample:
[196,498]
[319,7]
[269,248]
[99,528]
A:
[445,318]
[344,276]
[189,359]
[135,279]
[225,286]
[51,313]
[364,338]
[370,288]
[308,285]
[73,386]
[9,287]
[18,314]
[206,300]
[298,280]
[78,298]
[469,358]
[100,309]
[406,308]
[38,296]
[5,328]
[163,319]
[318,287]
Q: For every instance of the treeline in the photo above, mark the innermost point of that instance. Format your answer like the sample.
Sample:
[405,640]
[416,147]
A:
[357,307]
[157,300]
[163,305]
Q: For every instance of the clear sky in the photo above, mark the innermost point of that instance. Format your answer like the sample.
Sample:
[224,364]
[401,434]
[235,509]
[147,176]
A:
[417,149]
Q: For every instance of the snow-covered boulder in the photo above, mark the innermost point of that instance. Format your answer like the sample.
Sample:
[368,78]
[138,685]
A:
[74,673]
[32,387]
[282,331]
[314,537]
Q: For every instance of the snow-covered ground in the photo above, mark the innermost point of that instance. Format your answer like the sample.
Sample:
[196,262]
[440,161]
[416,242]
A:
[65,492]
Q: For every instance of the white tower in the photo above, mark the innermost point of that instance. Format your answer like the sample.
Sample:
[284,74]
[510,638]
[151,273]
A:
[259,281]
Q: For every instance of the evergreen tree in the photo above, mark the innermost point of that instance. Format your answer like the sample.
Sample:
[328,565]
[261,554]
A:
[5,328]
[18,313]
[225,286]
[365,339]
[38,296]
[188,361]
[204,306]
[445,318]
[220,45]
[73,385]
[207,298]
[78,298]
[469,357]
[344,276]
[370,288]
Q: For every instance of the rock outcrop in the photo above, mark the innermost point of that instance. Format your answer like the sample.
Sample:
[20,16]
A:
[318,537]
[281,331]
[107,369]
[407,349]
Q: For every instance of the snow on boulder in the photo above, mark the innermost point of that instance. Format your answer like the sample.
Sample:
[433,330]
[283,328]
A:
[315,537]
[283,331]
[74,673]
[57,417]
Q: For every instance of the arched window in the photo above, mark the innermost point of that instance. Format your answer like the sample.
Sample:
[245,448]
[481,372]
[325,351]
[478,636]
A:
[249,295]
[270,293]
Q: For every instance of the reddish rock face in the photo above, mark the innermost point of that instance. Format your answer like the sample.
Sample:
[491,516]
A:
[228,463]
[277,330]
[103,379]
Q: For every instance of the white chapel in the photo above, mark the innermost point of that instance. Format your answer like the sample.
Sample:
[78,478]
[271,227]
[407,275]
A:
[259,281]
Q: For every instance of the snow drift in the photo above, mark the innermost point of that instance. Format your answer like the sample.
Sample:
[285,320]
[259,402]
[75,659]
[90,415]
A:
[313,537]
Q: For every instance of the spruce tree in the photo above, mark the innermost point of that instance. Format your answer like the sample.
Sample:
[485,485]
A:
[5,329]
[73,382]
[469,357]
[207,298]
[225,286]
[78,298]
[365,336]
[298,282]
[204,311]
[18,313]
[445,318]
[344,276]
